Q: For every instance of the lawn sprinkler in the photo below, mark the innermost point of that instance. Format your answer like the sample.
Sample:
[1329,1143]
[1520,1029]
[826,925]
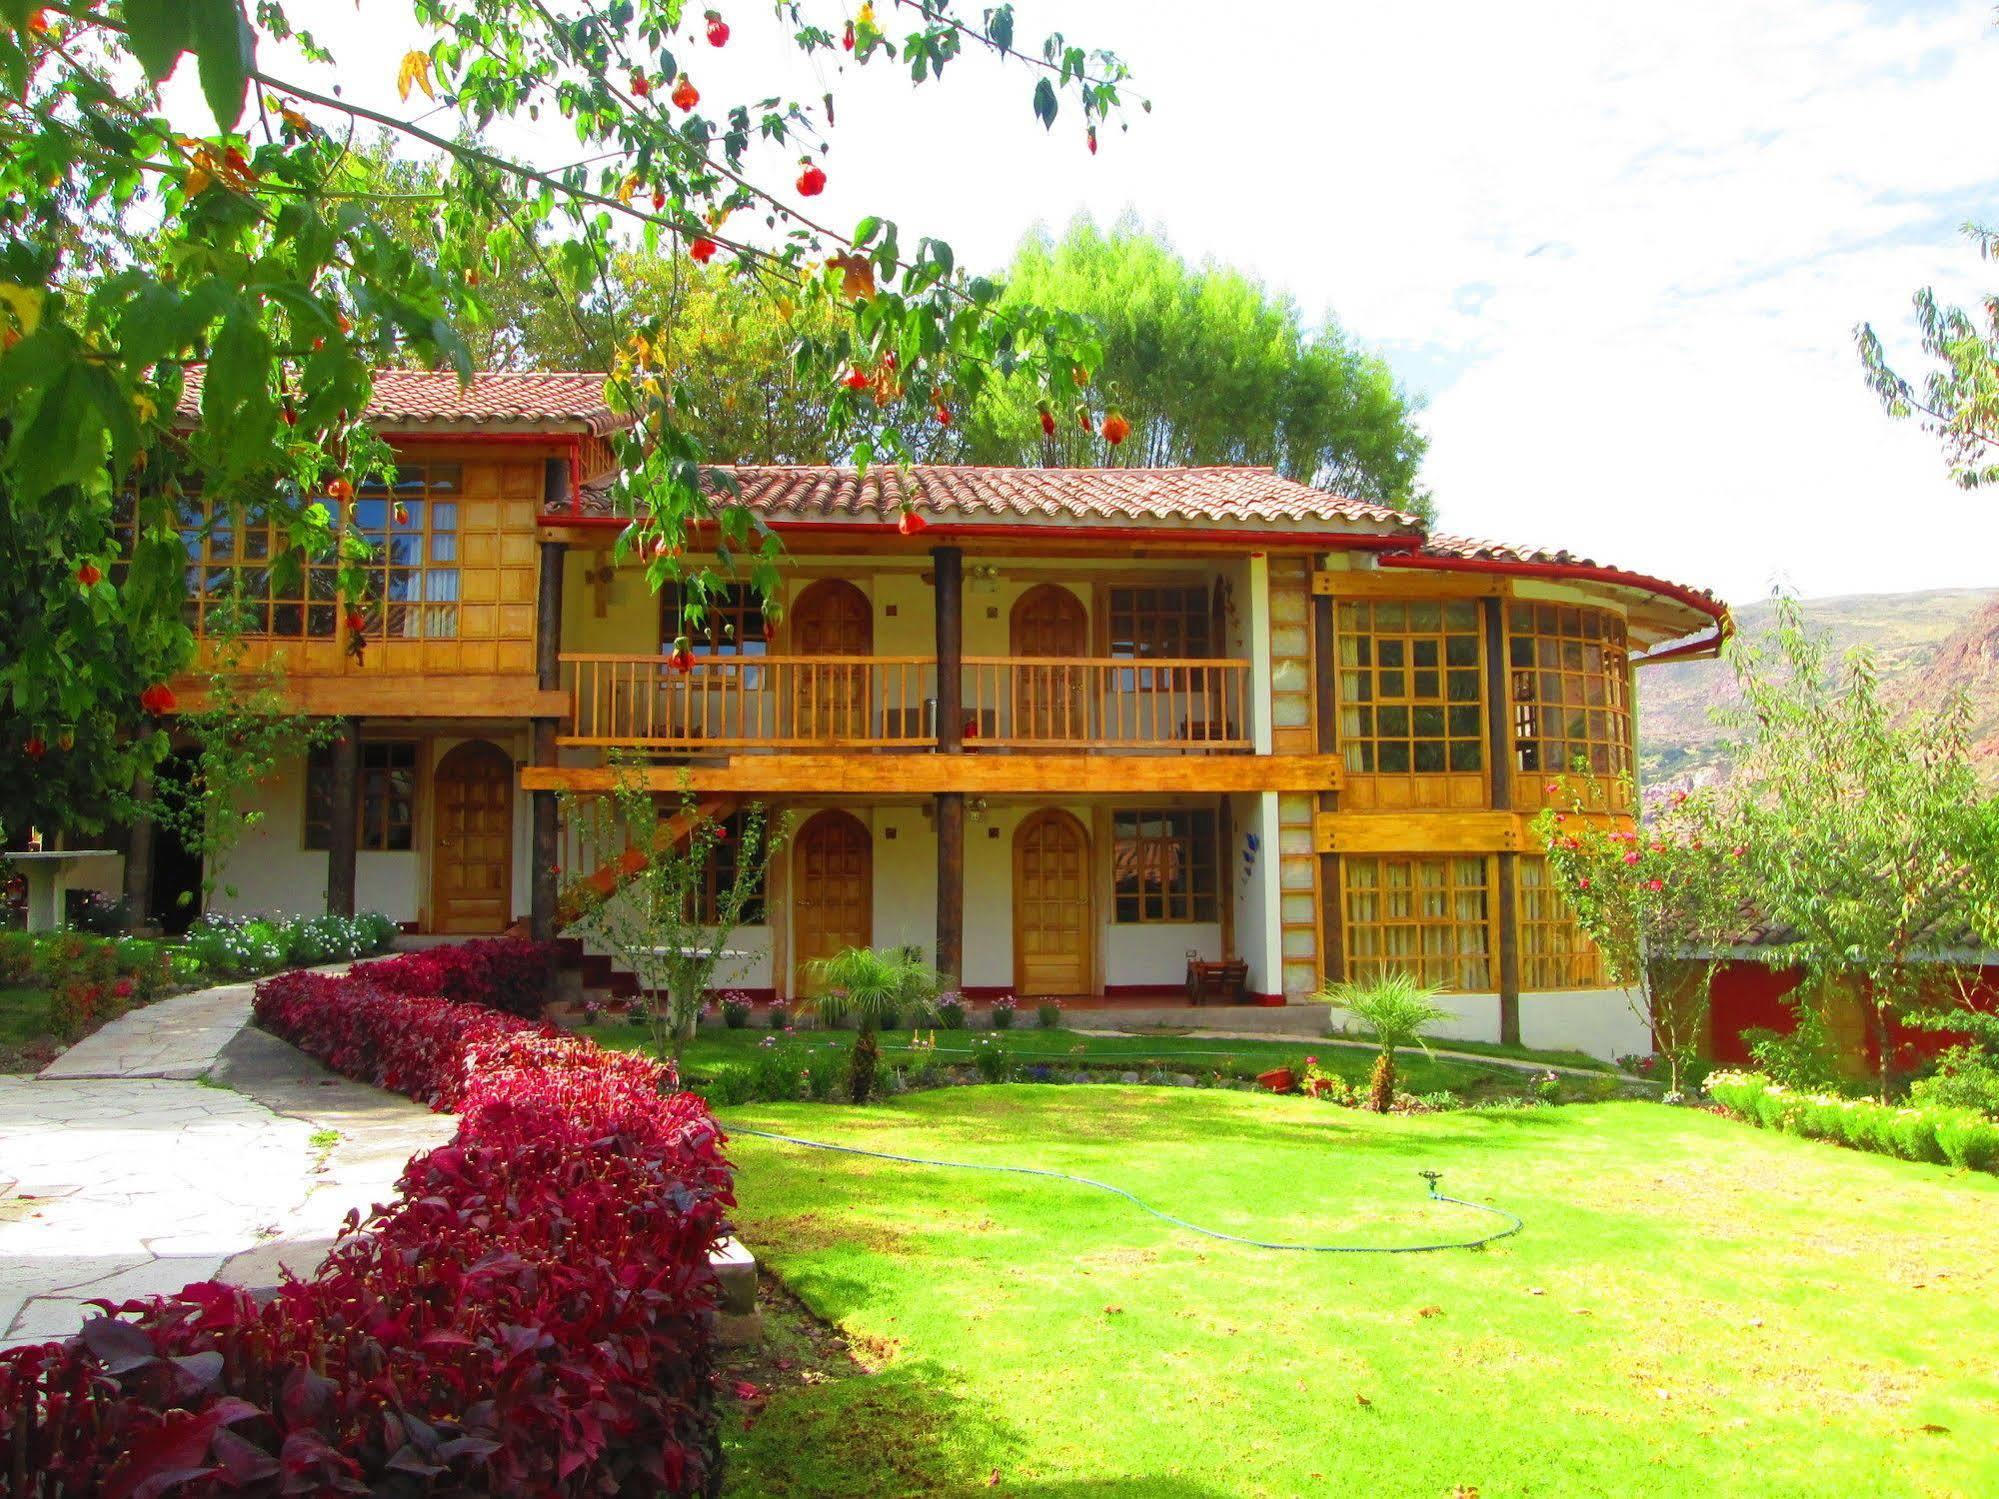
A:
[1432,1177]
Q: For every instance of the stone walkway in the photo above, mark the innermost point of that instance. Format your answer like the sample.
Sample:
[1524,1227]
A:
[122,1176]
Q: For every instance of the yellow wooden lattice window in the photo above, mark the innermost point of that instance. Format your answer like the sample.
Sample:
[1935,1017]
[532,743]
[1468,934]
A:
[1554,953]
[243,578]
[1410,686]
[412,527]
[1427,917]
[1571,690]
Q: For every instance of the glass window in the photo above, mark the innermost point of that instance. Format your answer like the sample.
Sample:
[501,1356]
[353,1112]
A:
[718,878]
[1554,953]
[1164,623]
[245,578]
[1570,672]
[1411,691]
[726,620]
[385,806]
[1166,866]
[412,526]
[1427,916]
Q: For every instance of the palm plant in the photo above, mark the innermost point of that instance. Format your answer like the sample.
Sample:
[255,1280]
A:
[871,988]
[1395,1008]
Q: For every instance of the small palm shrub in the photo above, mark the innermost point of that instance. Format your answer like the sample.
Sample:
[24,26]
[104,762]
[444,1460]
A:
[872,988]
[1395,1008]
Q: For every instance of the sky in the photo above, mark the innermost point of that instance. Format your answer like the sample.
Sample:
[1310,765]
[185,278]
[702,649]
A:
[1619,252]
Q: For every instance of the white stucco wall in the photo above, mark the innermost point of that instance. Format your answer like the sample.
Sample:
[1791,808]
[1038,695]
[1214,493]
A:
[1597,1021]
[270,870]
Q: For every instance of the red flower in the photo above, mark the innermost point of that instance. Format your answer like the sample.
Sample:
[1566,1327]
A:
[34,748]
[641,85]
[1632,857]
[88,575]
[911,523]
[811,181]
[1092,138]
[685,94]
[123,988]
[1047,422]
[1655,884]
[357,622]
[856,379]
[157,699]
[1116,428]
[943,415]
[847,39]
[703,250]
[718,30]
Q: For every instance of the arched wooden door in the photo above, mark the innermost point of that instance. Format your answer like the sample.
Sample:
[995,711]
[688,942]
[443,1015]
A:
[1052,929]
[472,861]
[832,892]
[1049,623]
[831,618]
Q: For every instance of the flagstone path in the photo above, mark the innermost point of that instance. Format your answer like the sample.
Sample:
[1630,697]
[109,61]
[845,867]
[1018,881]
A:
[122,1175]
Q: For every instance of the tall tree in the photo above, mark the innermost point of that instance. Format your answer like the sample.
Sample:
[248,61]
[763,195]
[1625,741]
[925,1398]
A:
[1207,366]
[267,270]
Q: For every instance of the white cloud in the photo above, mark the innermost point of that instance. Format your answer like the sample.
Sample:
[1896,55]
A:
[1718,191]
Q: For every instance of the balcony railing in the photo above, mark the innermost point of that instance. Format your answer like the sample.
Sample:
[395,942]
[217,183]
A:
[890,702]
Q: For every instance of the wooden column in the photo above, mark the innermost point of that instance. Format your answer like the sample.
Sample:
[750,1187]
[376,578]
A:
[951,885]
[1499,763]
[1326,715]
[544,893]
[139,855]
[950,563]
[344,814]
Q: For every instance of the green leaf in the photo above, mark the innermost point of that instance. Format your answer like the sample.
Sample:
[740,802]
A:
[159,32]
[1044,103]
[866,230]
[227,49]
[999,25]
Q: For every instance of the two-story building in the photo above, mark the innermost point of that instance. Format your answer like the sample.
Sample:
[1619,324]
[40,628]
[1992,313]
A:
[1065,730]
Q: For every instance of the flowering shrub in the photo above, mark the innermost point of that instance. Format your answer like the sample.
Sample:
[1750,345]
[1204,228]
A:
[989,1055]
[735,1009]
[1003,1009]
[1959,1137]
[531,1315]
[252,946]
[94,979]
[507,973]
[950,1008]
[778,1016]
[1048,1014]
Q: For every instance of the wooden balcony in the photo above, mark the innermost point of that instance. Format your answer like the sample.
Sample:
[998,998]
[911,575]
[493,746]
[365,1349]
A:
[818,703]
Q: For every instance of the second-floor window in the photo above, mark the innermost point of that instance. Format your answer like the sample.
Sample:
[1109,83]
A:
[1174,622]
[1165,865]
[412,527]
[1410,686]
[1571,690]
[243,579]
[728,622]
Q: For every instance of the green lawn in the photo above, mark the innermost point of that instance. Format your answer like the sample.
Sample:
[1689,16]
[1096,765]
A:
[1695,1307]
[716,1051]
[24,1016]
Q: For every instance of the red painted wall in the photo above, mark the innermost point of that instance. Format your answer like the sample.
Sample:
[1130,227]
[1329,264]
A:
[1751,996]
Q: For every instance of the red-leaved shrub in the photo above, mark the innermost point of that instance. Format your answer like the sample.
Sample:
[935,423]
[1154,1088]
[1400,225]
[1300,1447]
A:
[507,973]
[532,1315]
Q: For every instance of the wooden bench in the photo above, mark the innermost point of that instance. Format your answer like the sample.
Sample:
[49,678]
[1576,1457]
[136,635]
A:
[1226,982]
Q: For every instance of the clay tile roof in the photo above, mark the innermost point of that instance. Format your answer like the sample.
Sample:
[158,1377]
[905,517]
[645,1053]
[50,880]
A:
[419,398]
[1164,497]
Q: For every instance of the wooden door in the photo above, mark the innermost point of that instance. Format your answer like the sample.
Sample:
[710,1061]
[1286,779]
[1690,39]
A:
[472,861]
[832,892]
[1052,930]
[1049,702]
[830,702]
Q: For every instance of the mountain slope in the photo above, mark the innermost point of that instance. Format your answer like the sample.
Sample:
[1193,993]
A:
[1926,646]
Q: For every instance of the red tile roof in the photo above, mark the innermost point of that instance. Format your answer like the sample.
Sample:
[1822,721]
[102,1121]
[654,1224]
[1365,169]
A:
[1474,549]
[1164,497]
[405,399]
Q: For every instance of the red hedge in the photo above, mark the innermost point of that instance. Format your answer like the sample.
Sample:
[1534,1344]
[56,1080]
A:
[532,1315]
[507,973]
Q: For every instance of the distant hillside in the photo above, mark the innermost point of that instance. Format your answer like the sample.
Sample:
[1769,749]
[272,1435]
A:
[1926,644]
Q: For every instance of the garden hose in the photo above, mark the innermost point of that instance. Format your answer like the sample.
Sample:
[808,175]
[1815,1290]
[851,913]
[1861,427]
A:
[1513,1224]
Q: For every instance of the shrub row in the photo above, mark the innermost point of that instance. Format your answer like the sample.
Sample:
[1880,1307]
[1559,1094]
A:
[90,979]
[505,973]
[532,1315]
[251,946]
[1945,1136]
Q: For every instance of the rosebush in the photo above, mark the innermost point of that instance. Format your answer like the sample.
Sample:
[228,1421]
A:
[507,973]
[533,1314]
[1959,1137]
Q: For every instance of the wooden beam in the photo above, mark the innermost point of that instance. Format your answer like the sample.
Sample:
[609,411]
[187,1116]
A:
[950,564]
[1421,832]
[344,815]
[411,695]
[1372,583]
[951,886]
[840,775]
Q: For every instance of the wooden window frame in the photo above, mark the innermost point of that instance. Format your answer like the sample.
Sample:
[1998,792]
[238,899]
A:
[1379,671]
[1555,954]
[719,874]
[1466,961]
[1551,645]
[433,533]
[1136,632]
[1181,848]
[214,577]
[374,790]
[733,628]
